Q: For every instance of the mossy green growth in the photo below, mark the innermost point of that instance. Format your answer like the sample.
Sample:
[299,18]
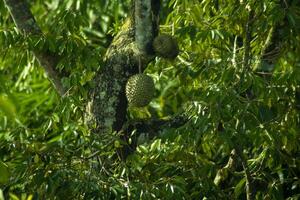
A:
[139,90]
[165,46]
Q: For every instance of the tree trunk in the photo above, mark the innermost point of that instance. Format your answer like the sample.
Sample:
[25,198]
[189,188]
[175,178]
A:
[130,50]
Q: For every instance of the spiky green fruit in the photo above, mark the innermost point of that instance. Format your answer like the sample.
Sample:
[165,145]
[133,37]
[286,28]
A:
[165,46]
[139,90]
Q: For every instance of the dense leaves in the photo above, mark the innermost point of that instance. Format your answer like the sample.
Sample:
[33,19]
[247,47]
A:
[236,79]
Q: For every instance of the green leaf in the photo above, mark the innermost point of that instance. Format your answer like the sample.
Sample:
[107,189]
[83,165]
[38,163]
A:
[13,196]
[239,188]
[7,106]
[142,149]
[1,195]
[4,173]
[155,146]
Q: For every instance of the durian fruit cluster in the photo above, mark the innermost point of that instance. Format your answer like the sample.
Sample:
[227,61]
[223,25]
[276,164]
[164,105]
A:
[140,87]
[139,90]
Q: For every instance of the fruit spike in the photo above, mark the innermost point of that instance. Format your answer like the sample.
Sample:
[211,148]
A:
[139,90]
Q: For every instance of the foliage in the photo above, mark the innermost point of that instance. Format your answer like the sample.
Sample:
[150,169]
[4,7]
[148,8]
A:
[47,152]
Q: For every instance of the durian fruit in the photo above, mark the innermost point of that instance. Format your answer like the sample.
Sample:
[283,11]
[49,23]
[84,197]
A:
[165,46]
[139,90]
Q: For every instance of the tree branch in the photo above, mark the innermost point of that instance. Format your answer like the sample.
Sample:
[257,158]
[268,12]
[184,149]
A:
[107,107]
[26,24]
[151,127]
[250,193]
[143,25]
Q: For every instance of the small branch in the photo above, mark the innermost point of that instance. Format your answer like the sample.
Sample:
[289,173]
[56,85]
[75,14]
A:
[48,62]
[264,73]
[233,60]
[92,155]
[264,47]
[249,188]
[247,48]
[154,126]
[247,40]
[150,127]
[26,24]
[250,193]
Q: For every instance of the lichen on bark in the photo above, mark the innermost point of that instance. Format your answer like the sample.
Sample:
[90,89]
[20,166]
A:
[107,106]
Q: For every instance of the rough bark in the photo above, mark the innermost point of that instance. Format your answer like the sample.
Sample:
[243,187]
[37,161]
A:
[26,24]
[108,104]
[107,107]
[143,26]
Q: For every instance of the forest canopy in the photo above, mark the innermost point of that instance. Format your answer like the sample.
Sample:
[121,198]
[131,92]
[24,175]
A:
[222,123]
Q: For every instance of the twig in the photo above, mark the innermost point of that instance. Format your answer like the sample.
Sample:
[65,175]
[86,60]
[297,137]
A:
[264,73]
[26,24]
[92,155]
[247,50]
[249,188]
[150,127]
[250,193]
[247,40]
[264,47]
[233,60]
